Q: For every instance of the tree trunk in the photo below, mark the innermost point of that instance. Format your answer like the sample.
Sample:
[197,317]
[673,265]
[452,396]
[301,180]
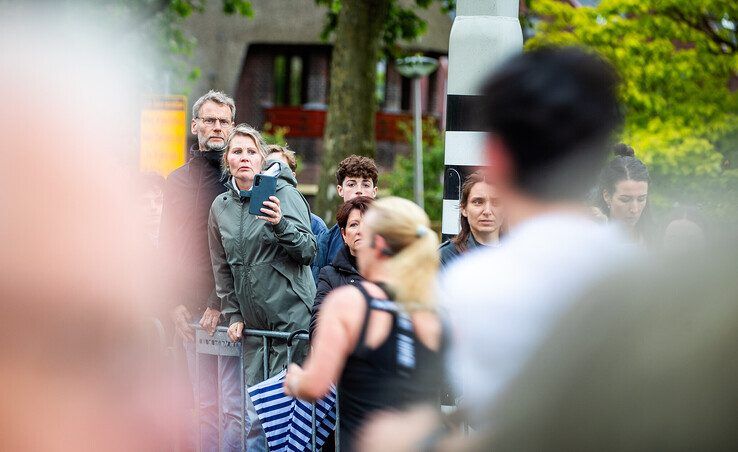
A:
[352,105]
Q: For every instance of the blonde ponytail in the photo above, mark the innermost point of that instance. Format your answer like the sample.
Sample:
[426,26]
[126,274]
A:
[414,266]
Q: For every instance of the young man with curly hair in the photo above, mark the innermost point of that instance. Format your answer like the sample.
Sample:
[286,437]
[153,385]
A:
[356,176]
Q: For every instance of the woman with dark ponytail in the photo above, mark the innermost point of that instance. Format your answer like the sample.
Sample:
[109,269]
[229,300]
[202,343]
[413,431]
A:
[480,217]
[623,193]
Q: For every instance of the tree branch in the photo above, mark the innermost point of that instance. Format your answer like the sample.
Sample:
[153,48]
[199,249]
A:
[704,25]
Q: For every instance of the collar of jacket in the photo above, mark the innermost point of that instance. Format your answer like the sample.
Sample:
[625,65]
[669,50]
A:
[213,158]
[235,192]
[344,261]
[471,242]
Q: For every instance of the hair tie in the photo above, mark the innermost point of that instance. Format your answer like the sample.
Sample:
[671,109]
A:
[421,231]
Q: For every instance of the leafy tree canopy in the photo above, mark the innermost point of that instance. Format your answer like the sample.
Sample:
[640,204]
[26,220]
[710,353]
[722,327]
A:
[679,63]
[403,24]
[401,180]
[157,25]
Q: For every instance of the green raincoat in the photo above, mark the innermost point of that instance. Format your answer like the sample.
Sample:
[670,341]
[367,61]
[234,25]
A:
[262,273]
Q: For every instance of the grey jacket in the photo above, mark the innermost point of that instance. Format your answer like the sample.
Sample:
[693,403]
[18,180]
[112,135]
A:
[262,273]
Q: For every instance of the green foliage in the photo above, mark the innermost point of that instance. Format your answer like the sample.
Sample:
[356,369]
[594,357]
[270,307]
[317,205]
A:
[403,24]
[157,25]
[275,135]
[402,176]
[676,59]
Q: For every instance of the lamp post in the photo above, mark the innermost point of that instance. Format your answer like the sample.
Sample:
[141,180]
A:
[415,67]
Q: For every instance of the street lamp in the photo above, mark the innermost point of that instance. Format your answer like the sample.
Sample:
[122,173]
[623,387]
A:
[415,67]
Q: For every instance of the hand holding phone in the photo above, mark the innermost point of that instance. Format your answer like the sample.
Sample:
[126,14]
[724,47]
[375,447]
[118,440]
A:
[271,210]
[264,187]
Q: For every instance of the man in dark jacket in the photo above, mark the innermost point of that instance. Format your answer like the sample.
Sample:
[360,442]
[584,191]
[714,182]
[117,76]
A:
[356,176]
[188,194]
[342,270]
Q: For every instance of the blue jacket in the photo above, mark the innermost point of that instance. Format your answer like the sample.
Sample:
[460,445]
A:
[330,243]
[317,225]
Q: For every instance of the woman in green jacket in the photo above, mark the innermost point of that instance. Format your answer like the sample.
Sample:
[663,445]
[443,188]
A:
[261,263]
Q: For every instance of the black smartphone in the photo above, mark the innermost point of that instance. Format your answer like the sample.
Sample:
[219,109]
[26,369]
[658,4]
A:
[264,187]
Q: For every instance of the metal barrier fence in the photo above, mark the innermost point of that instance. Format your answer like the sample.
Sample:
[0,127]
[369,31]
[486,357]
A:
[220,345]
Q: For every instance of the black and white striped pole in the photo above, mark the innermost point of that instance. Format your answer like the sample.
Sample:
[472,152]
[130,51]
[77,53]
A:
[483,35]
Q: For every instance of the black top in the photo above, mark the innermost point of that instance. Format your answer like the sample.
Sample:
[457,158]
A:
[338,273]
[183,237]
[379,379]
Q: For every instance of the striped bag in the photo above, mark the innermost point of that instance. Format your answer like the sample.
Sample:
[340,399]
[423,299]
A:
[287,421]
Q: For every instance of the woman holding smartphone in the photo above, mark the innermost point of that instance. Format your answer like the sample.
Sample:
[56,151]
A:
[261,262]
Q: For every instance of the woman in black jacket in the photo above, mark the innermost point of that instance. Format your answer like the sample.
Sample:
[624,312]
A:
[342,270]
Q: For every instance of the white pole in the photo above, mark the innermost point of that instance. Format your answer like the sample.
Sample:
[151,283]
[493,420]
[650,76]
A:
[483,35]
[419,189]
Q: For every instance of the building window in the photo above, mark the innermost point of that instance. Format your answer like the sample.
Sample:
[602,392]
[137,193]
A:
[296,80]
[280,78]
[380,92]
[289,80]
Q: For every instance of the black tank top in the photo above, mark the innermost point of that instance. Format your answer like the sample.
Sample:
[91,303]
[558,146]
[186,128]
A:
[399,372]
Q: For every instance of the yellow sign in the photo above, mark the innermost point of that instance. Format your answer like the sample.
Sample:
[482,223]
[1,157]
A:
[163,134]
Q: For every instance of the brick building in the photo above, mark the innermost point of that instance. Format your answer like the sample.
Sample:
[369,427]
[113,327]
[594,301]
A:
[278,71]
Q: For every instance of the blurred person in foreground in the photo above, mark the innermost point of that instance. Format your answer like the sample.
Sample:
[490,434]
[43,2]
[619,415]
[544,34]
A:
[657,370]
[183,238]
[356,176]
[77,372]
[647,365]
[480,218]
[623,194]
[381,340]
[342,270]
[286,155]
[550,114]
[260,262]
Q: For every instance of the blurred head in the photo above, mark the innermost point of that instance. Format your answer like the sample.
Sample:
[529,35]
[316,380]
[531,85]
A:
[397,241]
[349,218]
[550,113]
[357,176]
[284,155]
[479,208]
[624,187]
[245,154]
[212,120]
[92,283]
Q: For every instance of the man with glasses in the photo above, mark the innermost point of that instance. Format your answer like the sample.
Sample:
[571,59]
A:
[190,286]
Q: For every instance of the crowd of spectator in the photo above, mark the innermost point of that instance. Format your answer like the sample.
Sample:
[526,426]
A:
[564,314]
[391,313]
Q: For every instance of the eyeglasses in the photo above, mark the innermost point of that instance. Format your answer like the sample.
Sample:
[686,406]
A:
[212,121]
